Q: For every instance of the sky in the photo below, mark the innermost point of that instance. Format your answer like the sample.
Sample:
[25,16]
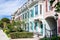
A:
[8,7]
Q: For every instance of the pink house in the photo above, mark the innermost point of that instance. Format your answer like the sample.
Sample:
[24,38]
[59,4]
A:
[50,18]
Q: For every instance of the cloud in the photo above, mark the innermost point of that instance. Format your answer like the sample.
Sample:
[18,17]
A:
[7,7]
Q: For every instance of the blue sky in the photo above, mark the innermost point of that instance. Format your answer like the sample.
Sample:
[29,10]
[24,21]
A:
[8,7]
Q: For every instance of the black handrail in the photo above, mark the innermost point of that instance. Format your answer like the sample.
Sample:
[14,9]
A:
[49,31]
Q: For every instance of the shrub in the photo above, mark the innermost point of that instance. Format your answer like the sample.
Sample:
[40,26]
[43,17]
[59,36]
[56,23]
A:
[11,28]
[7,31]
[15,35]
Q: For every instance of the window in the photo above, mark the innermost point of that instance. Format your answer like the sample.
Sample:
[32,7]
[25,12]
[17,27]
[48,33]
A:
[40,9]
[50,7]
[32,13]
[28,14]
[35,25]
[23,16]
[31,25]
[41,26]
[25,26]
[36,10]
[28,26]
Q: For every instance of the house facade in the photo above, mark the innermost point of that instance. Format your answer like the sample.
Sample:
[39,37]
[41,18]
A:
[38,16]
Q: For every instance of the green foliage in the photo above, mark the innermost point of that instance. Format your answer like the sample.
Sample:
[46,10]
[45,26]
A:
[57,6]
[1,24]
[5,20]
[15,35]
[19,29]
[11,28]
[15,26]
[7,31]
[51,2]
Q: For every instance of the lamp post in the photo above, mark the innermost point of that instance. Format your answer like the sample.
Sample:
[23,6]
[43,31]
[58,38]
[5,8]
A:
[56,18]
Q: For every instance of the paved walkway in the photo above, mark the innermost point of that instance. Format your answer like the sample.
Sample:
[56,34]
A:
[3,36]
[24,39]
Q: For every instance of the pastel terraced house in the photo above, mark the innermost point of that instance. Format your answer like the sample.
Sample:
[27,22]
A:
[39,16]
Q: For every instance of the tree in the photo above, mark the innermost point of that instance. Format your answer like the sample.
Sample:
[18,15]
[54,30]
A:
[15,26]
[57,5]
[5,21]
[11,27]
[51,2]
[18,24]
[1,24]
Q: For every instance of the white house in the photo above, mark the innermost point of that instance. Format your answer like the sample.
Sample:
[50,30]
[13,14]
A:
[38,16]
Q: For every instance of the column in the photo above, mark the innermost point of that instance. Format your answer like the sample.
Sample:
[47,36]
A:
[29,26]
[33,26]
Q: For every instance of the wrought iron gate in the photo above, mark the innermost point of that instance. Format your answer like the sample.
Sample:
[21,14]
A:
[50,33]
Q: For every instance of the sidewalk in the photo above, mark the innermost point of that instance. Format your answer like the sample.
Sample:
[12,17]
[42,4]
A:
[3,36]
[24,39]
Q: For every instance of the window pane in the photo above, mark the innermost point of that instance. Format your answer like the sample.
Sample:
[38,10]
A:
[25,26]
[36,9]
[41,26]
[35,25]
[28,26]
[40,9]
[31,25]
[28,14]
[32,13]
[23,16]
